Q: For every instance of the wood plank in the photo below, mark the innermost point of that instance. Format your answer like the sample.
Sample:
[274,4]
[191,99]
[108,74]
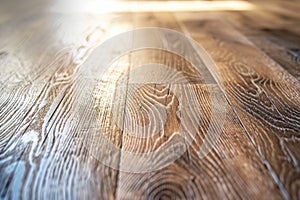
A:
[222,174]
[42,153]
[265,97]
[276,35]
[53,106]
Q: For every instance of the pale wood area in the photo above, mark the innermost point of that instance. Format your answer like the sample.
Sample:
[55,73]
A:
[50,109]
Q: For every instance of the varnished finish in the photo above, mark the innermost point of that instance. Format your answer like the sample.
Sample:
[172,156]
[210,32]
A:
[45,117]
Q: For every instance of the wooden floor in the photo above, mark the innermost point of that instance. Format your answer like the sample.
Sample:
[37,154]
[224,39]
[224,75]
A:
[43,123]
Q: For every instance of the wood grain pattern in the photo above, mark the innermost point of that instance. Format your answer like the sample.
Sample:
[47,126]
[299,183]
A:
[264,96]
[276,35]
[52,107]
[195,180]
[229,165]
[42,154]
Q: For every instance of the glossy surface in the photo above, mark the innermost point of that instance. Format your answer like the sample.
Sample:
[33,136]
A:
[46,116]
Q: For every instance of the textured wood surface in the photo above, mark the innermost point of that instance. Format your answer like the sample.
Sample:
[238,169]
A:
[256,89]
[51,110]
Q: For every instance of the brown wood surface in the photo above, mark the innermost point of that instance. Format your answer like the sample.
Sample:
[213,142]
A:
[255,89]
[51,111]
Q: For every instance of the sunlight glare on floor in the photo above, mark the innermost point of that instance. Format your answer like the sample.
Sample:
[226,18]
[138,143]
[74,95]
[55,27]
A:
[101,7]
